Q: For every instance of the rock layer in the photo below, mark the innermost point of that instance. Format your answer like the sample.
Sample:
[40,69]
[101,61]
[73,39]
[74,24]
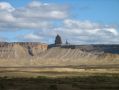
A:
[25,54]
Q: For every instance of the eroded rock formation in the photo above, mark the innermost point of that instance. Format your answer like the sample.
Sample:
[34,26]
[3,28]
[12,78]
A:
[21,49]
[35,54]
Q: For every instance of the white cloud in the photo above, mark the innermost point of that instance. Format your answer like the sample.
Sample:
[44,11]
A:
[30,37]
[33,16]
[6,17]
[34,4]
[82,32]
[45,11]
[6,6]
[43,17]
[112,30]
[76,33]
[80,24]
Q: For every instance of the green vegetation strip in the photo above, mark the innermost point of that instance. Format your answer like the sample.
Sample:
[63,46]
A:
[96,82]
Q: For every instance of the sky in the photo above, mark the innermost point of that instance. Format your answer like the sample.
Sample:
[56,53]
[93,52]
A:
[77,21]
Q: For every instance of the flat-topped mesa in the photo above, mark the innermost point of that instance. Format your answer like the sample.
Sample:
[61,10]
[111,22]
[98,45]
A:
[11,50]
[35,54]
[31,49]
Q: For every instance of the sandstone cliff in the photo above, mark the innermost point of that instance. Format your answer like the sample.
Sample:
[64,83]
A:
[35,55]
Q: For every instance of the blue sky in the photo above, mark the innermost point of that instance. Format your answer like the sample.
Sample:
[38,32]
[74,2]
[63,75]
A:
[96,16]
[103,11]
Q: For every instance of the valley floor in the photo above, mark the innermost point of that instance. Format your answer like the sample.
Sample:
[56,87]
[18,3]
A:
[95,82]
[102,77]
[58,71]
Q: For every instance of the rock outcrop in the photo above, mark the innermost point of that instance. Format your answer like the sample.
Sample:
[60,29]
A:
[21,49]
[35,54]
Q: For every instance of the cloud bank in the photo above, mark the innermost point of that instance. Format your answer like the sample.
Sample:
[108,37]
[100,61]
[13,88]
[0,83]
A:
[46,20]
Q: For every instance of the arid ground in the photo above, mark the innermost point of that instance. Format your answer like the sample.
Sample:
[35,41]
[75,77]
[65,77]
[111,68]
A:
[60,78]
[59,68]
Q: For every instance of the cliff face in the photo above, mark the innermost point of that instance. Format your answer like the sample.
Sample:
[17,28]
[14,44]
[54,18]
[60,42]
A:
[35,54]
[20,50]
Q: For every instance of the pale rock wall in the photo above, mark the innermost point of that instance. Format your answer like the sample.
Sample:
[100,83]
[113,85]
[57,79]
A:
[37,54]
[21,50]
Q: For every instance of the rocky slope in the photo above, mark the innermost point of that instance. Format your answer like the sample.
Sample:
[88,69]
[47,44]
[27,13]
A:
[18,55]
